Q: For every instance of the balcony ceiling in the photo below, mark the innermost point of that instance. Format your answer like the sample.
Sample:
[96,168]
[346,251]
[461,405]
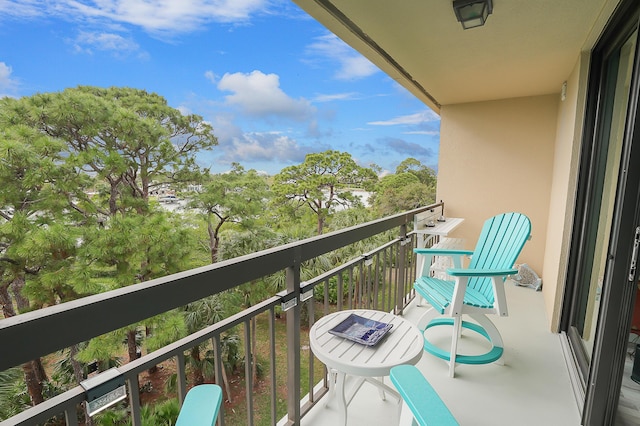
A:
[526,48]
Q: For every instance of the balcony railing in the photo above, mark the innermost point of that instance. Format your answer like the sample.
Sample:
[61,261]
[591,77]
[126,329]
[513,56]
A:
[379,279]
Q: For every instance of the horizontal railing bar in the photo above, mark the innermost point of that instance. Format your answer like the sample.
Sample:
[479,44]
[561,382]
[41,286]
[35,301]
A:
[384,246]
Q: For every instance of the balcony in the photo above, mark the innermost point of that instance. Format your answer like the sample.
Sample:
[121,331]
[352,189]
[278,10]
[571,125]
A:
[532,388]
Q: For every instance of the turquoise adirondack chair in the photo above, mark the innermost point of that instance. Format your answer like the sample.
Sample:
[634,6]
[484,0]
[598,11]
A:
[477,290]
[200,406]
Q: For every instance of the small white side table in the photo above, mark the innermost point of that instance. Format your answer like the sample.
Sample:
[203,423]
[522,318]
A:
[402,345]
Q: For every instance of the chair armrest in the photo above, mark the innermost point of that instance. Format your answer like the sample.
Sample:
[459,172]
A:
[428,255]
[422,399]
[200,406]
[460,272]
[442,252]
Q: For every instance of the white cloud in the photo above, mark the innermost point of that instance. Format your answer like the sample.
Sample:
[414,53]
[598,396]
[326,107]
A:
[411,119]
[351,65]
[21,8]
[401,146]
[162,16]
[259,95]
[423,132]
[165,15]
[8,84]
[184,110]
[209,75]
[264,146]
[335,97]
[119,46]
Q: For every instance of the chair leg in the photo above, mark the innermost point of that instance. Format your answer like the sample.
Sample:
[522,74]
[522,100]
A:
[492,331]
[457,325]
[406,416]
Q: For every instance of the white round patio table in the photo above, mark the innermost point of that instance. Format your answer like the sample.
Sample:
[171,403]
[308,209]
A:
[403,344]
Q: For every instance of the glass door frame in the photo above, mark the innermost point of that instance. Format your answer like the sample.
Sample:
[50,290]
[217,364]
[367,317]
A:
[601,378]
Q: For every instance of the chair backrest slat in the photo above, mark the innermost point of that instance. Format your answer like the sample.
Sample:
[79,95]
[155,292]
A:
[499,245]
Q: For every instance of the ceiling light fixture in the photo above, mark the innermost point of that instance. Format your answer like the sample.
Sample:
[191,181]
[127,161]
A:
[472,13]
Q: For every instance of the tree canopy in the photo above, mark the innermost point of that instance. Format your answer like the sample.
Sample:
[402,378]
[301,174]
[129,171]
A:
[238,196]
[129,139]
[413,185]
[322,183]
[425,174]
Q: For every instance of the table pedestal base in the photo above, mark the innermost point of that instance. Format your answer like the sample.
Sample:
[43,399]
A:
[337,389]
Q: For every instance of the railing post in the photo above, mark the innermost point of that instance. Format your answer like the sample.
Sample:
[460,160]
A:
[400,268]
[181,377]
[219,365]
[71,416]
[293,343]
[134,400]
[248,369]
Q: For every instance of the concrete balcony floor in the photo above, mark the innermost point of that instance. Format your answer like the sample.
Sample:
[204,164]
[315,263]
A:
[531,388]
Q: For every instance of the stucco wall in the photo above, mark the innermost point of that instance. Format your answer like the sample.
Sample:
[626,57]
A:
[495,157]
[563,188]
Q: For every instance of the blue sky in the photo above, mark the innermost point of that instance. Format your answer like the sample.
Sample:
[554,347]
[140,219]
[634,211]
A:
[274,83]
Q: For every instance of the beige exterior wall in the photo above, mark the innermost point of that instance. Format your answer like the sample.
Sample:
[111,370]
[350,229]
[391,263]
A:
[498,156]
[563,189]
[518,155]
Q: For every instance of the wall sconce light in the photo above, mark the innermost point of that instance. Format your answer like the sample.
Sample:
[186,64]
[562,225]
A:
[472,13]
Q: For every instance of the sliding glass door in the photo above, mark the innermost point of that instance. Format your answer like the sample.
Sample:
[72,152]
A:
[601,279]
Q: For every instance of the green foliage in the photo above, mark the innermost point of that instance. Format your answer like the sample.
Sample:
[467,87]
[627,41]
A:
[231,354]
[237,197]
[140,247]
[319,291]
[13,393]
[63,374]
[164,413]
[102,348]
[350,217]
[114,416]
[413,185]
[398,180]
[129,138]
[33,197]
[164,329]
[322,183]
[202,313]
[425,175]
[403,198]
